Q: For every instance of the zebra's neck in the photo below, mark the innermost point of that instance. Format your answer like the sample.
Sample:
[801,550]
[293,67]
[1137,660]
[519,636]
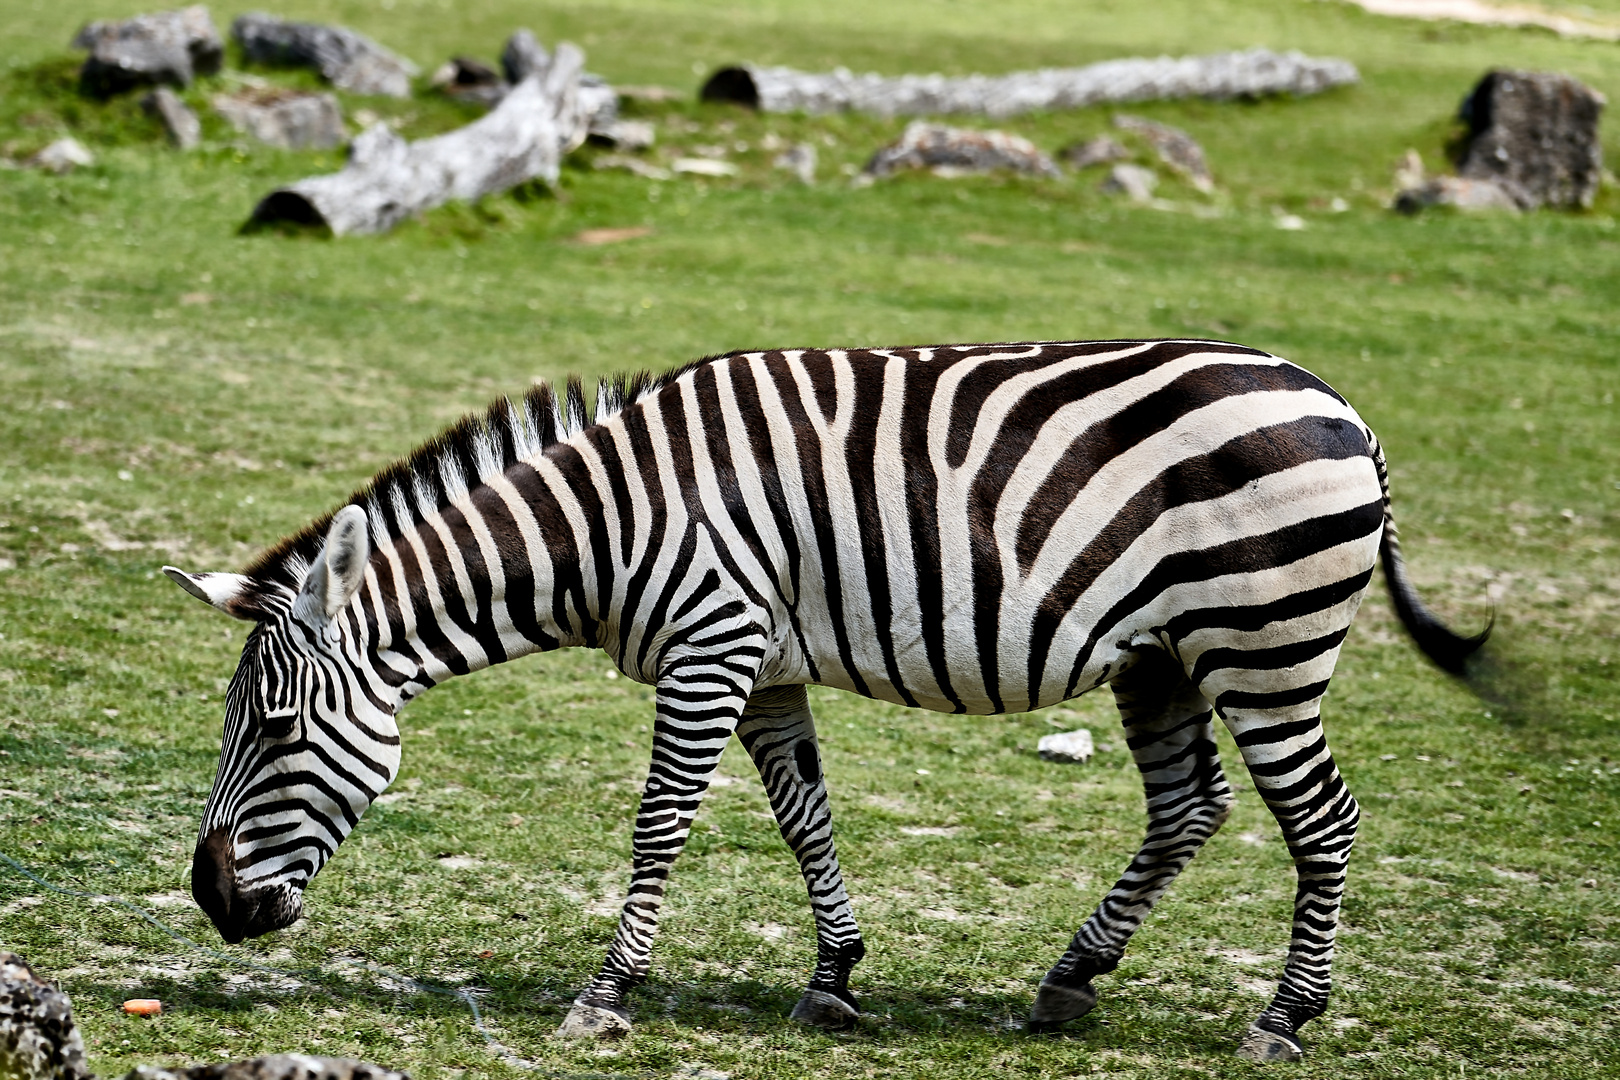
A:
[502,571]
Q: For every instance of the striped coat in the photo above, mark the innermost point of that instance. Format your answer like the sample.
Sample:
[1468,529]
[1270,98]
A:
[976,529]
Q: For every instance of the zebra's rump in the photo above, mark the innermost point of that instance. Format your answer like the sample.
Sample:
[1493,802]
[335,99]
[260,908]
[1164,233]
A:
[989,528]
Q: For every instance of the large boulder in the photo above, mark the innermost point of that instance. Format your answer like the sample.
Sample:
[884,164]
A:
[164,47]
[1534,134]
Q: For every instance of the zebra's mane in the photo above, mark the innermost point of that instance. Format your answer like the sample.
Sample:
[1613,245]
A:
[464,456]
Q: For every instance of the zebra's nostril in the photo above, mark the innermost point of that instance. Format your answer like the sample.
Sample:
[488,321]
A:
[213,884]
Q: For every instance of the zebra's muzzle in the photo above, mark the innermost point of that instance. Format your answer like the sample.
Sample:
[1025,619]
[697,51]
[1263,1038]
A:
[237,914]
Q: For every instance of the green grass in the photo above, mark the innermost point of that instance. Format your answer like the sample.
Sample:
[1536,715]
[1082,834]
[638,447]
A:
[172,391]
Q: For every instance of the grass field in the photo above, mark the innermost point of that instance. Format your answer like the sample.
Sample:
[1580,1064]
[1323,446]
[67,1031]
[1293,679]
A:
[171,391]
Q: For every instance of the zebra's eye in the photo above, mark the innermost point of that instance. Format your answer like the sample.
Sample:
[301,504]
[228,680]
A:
[278,723]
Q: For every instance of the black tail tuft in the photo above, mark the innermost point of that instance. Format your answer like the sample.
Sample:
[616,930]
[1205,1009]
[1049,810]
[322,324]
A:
[1438,641]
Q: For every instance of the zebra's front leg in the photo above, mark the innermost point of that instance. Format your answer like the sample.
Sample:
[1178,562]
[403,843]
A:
[780,735]
[1169,731]
[700,701]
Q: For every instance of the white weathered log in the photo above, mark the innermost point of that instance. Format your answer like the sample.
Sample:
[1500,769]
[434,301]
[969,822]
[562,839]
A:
[164,47]
[348,59]
[388,179]
[1251,73]
[522,56]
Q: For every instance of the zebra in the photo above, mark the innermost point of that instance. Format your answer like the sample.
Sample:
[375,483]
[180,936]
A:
[977,529]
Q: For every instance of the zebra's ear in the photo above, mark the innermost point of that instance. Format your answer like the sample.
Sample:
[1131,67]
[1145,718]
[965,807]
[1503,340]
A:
[338,570]
[231,593]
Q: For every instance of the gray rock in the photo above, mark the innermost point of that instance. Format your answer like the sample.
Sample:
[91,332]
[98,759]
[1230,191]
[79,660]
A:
[1070,747]
[1459,192]
[800,160]
[38,1039]
[1535,135]
[182,125]
[349,60]
[164,47]
[1132,181]
[1175,148]
[62,156]
[274,1067]
[290,119]
[1103,150]
[953,151]
[1253,73]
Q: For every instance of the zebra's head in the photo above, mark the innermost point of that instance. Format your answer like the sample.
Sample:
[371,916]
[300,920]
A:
[310,738]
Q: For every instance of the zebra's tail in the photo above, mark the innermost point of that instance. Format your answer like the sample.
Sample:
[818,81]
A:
[1438,641]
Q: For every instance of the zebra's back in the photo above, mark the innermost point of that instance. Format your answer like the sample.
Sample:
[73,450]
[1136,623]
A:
[991,528]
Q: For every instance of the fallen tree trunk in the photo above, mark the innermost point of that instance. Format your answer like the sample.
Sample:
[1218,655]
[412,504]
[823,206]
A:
[1252,73]
[388,179]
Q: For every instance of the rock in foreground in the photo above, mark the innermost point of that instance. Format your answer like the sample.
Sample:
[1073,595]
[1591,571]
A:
[274,1067]
[38,1040]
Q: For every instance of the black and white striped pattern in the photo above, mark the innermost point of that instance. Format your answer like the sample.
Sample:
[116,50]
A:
[978,529]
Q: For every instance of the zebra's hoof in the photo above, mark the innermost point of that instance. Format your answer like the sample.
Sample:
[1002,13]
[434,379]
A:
[594,1022]
[826,1011]
[1055,1005]
[1261,1045]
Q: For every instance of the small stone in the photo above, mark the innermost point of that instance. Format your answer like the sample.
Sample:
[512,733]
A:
[1175,148]
[1103,150]
[800,160]
[181,124]
[1132,181]
[62,156]
[625,135]
[1589,883]
[290,119]
[703,167]
[645,169]
[1072,747]
[950,151]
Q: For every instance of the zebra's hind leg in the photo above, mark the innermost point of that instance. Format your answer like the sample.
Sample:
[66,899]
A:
[1168,728]
[779,734]
[1273,715]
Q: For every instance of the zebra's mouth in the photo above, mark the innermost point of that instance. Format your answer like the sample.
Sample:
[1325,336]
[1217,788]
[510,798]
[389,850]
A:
[239,913]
